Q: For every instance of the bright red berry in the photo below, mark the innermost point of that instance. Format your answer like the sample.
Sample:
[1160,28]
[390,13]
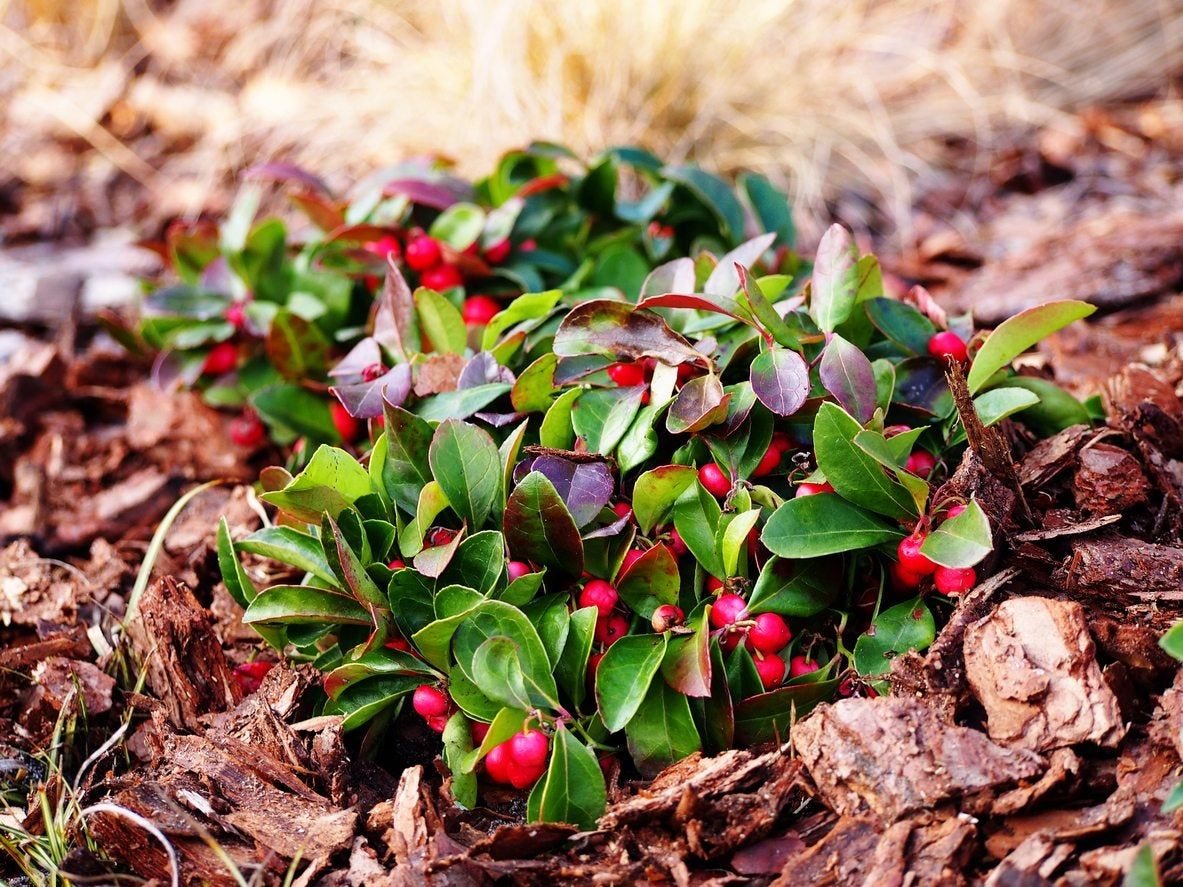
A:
[627,374]
[441,535]
[622,509]
[769,634]
[686,372]
[910,558]
[781,443]
[728,608]
[422,253]
[771,669]
[529,748]
[517,569]
[952,581]
[714,584]
[524,777]
[247,431]
[630,557]
[429,701]
[954,510]
[610,629]
[249,675]
[398,642]
[666,617]
[904,579]
[677,543]
[384,246]
[396,564]
[498,252]
[717,483]
[599,594]
[921,463]
[441,277]
[236,315]
[372,372]
[479,730]
[222,358]
[768,463]
[498,763]
[799,665]
[805,488]
[347,426]
[947,344]
[479,310]
[438,723]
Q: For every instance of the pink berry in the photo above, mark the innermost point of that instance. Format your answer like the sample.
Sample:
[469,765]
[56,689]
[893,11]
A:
[429,701]
[498,252]
[529,748]
[523,777]
[384,246]
[627,374]
[799,665]
[441,277]
[622,509]
[921,463]
[599,594]
[677,543]
[910,558]
[517,569]
[222,358]
[771,669]
[808,489]
[372,372]
[438,723]
[422,252]
[396,564]
[630,557]
[610,629]
[903,579]
[236,315]
[769,634]
[714,584]
[479,730]
[666,617]
[347,426]
[728,609]
[717,483]
[497,763]
[947,344]
[479,310]
[952,581]
[768,463]
[247,431]
[781,442]
[249,675]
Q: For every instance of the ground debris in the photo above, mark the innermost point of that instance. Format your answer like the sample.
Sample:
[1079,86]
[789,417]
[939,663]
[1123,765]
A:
[1033,668]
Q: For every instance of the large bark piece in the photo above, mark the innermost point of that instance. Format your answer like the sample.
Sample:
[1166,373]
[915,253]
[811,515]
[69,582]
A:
[894,756]
[1033,668]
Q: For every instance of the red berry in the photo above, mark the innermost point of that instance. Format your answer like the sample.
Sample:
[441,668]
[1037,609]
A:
[717,483]
[771,669]
[529,748]
[524,777]
[479,310]
[799,665]
[807,489]
[498,763]
[893,430]
[222,358]
[236,315]
[249,676]
[728,608]
[247,431]
[622,509]
[398,643]
[714,584]
[768,463]
[686,372]
[947,345]
[347,426]
[441,277]
[781,443]
[527,246]
[479,730]
[677,543]
[599,594]
[904,579]
[498,252]
[438,723]
[429,701]
[630,557]
[627,374]
[921,463]
[384,246]
[372,372]
[441,535]
[910,558]
[517,569]
[952,581]
[666,617]
[423,252]
[770,634]
[953,511]
[396,564]
[610,629]
[593,665]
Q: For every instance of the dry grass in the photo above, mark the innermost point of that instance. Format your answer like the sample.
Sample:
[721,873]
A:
[822,95]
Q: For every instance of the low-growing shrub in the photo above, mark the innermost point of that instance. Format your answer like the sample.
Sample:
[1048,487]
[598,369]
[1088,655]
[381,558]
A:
[638,527]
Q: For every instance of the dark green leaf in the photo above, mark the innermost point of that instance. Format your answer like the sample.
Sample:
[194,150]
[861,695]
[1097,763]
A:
[465,463]
[813,526]
[624,675]
[904,627]
[539,528]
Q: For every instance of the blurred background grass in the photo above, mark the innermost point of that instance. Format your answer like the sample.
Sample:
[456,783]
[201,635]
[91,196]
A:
[114,110]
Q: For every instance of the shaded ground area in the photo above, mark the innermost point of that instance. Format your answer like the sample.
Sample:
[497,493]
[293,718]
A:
[1034,743]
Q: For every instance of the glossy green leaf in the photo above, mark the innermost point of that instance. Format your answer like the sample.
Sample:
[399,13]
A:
[662,731]
[801,590]
[813,526]
[656,491]
[571,672]
[960,541]
[305,605]
[650,581]
[539,529]
[457,740]
[330,482]
[904,627]
[573,788]
[696,517]
[853,473]
[465,463]
[441,322]
[624,675]
[1016,334]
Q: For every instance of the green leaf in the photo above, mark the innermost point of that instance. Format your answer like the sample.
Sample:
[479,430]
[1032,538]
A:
[350,567]
[624,675]
[406,468]
[813,526]
[1172,641]
[603,415]
[296,347]
[460,404]
[479,562]
[465,463]
[904,627]
[805,591]
[434,639]
[960,541]
[1016,334]
[498,619]
[766,717]
[573,789]
[996,404]
[457,740]
[459,226]
[734,541]
[834,283]
[1174,800]
[530,306]
[305,605]
[508,722]
[365,700]
[431,502]
[901,324]
[552,621]
[770,206]
[696,518]
[1056,409]
[615,329]
[571,672]
[296,410]
[534,389]
[289,546]
[662,731]
[556,430]
[1143,871]
[441,322]
[700,403]
[329,484]
[715,195]
[652,580]
[234,576]
[656,491]
[854,474]
[497,672]
[539,528]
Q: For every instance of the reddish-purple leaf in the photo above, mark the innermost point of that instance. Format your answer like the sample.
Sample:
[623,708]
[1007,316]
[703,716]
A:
[847,374]
[284,173]
[687,663]
[323,212]
[358,233]
[539,529]
[483,369]
[780,378]
[361,356]
[617,329]
[585,487]
[700,404]
[364,400]
[834,283]
[436,194]
[651,580]
[713,304]
[394,312]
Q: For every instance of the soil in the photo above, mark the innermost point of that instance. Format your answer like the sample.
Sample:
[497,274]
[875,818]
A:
[1034,743]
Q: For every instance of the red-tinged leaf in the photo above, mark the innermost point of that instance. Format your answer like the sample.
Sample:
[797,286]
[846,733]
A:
[324,213]
[780,379]
[296,347]
[846,373]
[366,400]
[437,194]
[285,173]
[700,404]
[712,304]
[673,277]
[687,663]
[305,605]
[651,580]
[617,329]
[539,529]
[542,183]
[724,280]
[191,248]
[394,314]
[834,283]
[362,233]
[433,561]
